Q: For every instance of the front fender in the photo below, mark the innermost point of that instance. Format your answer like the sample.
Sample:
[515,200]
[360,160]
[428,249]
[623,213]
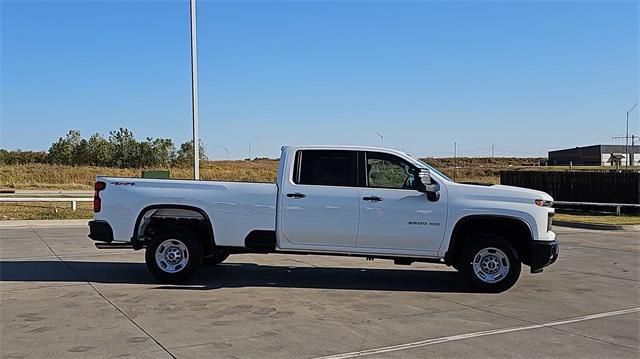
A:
[459,217]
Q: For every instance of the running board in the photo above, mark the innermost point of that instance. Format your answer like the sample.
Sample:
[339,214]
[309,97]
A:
[112,245]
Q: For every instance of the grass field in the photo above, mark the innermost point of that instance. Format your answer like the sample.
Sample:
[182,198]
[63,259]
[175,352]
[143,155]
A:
[597,219]
[44,210]
[45,176]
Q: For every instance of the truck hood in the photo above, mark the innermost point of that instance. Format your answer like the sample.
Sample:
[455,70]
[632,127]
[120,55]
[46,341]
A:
[501,193]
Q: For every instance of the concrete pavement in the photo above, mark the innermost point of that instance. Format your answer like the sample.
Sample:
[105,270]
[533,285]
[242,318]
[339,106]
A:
[62,297]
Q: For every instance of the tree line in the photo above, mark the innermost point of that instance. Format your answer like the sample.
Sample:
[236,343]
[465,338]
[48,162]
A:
[119,149]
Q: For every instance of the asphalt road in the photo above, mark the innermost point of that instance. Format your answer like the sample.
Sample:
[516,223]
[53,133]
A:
[62,297]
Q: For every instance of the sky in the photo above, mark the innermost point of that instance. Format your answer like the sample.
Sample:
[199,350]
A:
[526,76]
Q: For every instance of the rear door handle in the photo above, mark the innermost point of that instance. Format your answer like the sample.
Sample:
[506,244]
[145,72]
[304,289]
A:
[296,195]
[372,199]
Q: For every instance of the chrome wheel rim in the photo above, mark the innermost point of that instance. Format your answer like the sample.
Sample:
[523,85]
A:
[490,265]
[172,256]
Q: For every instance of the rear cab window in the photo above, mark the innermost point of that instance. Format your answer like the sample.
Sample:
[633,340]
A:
[326,168]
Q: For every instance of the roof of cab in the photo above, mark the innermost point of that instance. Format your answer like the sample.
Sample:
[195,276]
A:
[342,147]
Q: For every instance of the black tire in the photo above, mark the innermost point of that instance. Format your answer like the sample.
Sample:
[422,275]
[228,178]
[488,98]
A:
[492,250]
[215,258]
[180,239]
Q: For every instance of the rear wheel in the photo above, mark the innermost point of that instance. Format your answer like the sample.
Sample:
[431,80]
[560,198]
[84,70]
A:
[490,263]
[173,254]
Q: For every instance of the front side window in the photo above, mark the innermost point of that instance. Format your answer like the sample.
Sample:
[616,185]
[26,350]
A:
[388,171]
[326,168]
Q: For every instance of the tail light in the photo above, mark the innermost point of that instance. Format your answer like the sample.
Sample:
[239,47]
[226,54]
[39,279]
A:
[97,202]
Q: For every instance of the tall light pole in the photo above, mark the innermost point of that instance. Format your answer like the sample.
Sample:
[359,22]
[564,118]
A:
[381,138]
[194,93]
[627,136]
[226,150]
[250,144]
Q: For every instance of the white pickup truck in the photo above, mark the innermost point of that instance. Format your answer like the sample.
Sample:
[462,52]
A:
[332,200]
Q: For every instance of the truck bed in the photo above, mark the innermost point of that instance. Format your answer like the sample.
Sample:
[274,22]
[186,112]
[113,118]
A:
[237,208]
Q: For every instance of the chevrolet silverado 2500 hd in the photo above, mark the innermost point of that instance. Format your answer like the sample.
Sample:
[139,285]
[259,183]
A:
[332,200]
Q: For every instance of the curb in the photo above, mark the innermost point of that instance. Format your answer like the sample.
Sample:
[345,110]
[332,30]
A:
[599,227]
[45,223]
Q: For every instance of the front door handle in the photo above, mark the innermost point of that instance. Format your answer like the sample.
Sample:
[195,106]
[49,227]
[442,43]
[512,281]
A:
[296,195]
[372,199]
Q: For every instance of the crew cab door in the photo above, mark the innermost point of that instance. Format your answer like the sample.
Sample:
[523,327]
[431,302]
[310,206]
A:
[320,200]
[395,216]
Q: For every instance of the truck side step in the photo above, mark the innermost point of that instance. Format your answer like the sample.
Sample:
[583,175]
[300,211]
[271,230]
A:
[403,261]
[114,245]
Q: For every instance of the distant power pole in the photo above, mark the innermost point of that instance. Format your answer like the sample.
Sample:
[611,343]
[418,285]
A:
[250,145]
[194,93]
[493,149]
[630,155]
[633,152]
[627,135]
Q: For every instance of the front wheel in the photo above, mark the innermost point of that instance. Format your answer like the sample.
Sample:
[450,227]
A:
[490,263]
[173,254]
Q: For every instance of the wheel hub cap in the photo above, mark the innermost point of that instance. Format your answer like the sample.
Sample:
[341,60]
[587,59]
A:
[490,265]
[172,256]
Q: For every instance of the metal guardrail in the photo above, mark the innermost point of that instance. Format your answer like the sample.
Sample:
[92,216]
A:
[74,200]
[617,206]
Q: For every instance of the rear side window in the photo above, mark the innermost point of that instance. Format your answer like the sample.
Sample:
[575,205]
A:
[326,168]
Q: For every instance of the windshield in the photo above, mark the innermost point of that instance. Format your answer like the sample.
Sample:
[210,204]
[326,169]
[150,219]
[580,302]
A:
[433,169]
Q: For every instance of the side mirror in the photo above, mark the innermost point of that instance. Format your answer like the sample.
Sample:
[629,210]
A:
[425,182]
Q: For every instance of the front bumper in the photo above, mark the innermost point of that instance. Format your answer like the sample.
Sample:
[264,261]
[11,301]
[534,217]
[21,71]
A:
[100,231]
[543,253]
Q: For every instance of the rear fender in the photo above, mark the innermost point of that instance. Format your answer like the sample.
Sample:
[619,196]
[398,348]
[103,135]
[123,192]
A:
[171,211]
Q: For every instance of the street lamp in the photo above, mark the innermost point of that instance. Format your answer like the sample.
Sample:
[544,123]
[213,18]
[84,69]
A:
[194,92]
[226,150]
[250,144]
[381,138]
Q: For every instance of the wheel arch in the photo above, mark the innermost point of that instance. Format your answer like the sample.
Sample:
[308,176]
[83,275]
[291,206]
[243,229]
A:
[515,230]
[142,221]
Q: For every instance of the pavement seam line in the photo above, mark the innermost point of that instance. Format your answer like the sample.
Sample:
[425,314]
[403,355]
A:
[592,338]
[601,275]
[102,295]
[601,248]
[10,291]
[534,323]
[81,255]
[426,342]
